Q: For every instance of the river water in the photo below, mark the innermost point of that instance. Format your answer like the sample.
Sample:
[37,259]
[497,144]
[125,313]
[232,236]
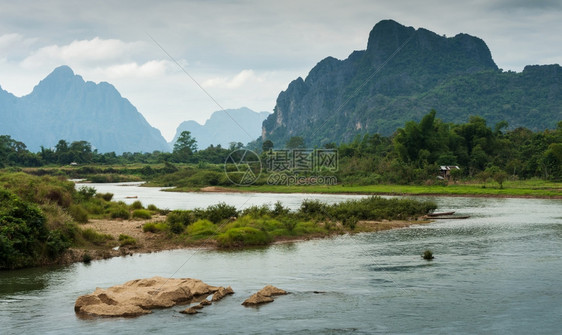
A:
[497,272]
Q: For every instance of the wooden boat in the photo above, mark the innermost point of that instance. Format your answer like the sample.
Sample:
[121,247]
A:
[440,214]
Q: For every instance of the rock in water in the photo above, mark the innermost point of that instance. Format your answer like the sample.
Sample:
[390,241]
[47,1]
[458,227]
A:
[263,296]
[221,293]
[189,310]
[138,297]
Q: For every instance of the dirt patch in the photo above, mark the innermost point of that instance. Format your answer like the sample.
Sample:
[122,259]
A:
[145,241]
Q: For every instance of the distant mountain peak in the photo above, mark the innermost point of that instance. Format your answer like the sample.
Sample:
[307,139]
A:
[61,78]
[64,106]
[63,70]
[225,126]
[388,35]
[404,73]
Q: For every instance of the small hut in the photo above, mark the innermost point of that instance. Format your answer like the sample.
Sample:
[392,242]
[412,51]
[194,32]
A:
[445,171]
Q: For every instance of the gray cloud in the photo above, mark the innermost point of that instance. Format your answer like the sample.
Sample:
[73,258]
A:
[246,50]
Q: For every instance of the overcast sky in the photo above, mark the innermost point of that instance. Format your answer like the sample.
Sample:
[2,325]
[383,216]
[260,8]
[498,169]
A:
[243,52]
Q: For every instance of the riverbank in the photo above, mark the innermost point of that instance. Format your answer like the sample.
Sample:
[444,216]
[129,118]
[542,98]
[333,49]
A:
[513,189]
[148,242]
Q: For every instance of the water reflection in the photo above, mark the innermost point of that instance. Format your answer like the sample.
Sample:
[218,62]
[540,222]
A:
[23,281]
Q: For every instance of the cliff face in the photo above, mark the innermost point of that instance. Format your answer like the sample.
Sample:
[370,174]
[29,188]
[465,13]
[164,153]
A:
[64,106]
[394,80]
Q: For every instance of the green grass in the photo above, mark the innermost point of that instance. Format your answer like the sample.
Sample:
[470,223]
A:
[201,229]
[155,227]
[243,237]
[526,188]
[96,238]
[126,240]
[142,214]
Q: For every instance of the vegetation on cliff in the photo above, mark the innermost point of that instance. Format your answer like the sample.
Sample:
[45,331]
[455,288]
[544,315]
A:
[403,73]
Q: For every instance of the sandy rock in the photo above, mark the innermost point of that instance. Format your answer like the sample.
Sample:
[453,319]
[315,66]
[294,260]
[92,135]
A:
[199,306]
[257,299]
[138,297]
[221,293]
[189,310]
[263,296]
[271,290]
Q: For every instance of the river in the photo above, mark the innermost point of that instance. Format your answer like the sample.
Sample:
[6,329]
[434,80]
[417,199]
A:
[497,272]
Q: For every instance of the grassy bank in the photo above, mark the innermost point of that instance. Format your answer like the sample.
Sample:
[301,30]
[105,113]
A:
[226,227]
[45,220]
[526,188]
[41,218]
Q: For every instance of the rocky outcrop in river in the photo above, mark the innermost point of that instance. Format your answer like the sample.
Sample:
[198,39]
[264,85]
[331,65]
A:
[263,296]
[140,296]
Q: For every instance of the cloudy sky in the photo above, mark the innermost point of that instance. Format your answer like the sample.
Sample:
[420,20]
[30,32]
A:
[242,52]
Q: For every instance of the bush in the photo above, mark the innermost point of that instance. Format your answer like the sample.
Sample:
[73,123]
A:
[39,190]
[95,206]
[86,258]
[85,193]
[125,240]
[180,216]
[96,238]
[155,227]
[78,213]
[257,211]
[290,224]
[136,205]
[178,220]
[243,236]
[57,243]
[119,213]
[142,214]
[23,231]
[377,208]
[221,211]
[279,210]
[201,229]
[313,209]
[152,208]
[105,196]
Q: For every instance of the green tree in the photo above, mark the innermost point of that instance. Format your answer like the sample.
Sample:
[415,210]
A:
[266,146]
[81,151]
[497,174]
[185,147]
[295,142]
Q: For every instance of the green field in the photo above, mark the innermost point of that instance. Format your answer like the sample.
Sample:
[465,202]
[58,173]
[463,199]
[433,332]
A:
[526,188]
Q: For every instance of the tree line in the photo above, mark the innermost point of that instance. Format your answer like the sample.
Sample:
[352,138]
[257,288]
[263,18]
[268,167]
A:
[412,154]
[15,153]
[415,152]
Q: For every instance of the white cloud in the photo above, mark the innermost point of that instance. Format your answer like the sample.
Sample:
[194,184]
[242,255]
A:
[275,42]
[91,51]
[8,40]
[234,82]
[150,69]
